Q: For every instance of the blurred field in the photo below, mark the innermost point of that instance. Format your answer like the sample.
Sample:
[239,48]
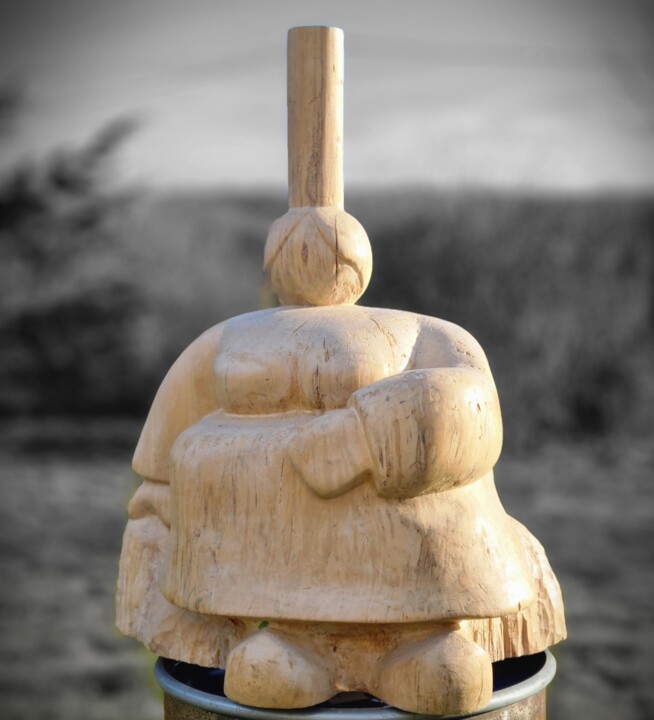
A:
[62,515]
[559,291]
[99,294]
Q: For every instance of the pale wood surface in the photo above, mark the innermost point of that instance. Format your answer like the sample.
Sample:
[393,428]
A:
[315,117]
[318,256]
[413,534]
[464,572]
[326,469]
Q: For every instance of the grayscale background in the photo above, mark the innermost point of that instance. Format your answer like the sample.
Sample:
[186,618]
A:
[501,156]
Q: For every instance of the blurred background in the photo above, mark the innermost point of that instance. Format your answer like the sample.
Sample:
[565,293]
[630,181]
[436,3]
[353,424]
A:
[500,155]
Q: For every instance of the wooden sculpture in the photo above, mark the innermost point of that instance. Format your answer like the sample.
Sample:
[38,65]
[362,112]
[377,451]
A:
[318,511]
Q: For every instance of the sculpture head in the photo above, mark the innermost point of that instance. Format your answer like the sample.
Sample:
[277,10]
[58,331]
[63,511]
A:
[318,256]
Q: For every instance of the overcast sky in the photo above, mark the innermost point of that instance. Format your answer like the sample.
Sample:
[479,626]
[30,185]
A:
[555,94]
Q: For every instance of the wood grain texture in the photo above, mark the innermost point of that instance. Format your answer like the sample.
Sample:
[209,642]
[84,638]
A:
[318,256]
[288,503]
[315,117]
[318,511]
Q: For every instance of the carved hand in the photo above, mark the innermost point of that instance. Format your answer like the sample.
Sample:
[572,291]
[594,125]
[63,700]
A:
[418,432]
[430,430]
[331,453]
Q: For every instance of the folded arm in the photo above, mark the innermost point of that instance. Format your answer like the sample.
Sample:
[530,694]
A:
[423,430]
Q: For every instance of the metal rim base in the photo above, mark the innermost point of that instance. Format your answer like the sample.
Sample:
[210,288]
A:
[514,680]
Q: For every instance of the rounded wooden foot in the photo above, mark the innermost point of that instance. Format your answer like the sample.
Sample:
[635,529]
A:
[441,675]
[267,670]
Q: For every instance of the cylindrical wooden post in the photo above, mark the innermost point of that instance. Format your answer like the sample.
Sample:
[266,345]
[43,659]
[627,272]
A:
[315,117]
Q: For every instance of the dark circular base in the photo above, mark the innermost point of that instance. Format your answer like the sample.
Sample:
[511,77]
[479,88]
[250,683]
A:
[196,693]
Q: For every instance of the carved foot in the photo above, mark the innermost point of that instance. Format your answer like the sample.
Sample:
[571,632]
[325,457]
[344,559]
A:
[267,670]
[441,675]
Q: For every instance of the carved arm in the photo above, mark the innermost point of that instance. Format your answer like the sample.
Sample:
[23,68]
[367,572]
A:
[424,430]
[429,430]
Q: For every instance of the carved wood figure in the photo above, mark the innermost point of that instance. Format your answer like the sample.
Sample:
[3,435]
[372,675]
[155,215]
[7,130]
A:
[318,511]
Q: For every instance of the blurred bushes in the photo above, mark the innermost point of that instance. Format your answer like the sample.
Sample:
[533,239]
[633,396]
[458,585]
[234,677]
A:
[559,292]
[100,295]
[67,292]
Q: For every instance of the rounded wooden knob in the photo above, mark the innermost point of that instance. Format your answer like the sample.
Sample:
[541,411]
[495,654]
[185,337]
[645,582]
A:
[318,256]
